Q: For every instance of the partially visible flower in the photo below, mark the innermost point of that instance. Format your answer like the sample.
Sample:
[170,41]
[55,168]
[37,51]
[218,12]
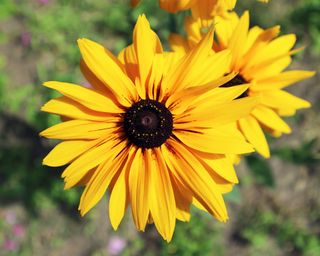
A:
[204,10]
[116,245]
[154,129]
[259,57]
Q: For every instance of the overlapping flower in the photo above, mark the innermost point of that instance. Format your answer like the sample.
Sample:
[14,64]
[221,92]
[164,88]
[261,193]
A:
[259,58]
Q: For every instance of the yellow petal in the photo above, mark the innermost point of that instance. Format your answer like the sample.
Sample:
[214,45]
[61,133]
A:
[109,70]
[92,158]
[146,44]
[193,95]
[191,66]
[279,99]
[162,202]
[86,97]
[223,167]
[238,40]
[254,134]
[208,114]
[214,142]
[80,129]
[94,82]
[75,148]
[196,178]
[98,184]
[119,195]
[178,44]
[270,119]
[139,188]
[281,80]
[66,107]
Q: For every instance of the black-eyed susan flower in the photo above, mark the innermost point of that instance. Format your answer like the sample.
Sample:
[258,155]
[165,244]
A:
[152,130]
[202,10]
[259,57]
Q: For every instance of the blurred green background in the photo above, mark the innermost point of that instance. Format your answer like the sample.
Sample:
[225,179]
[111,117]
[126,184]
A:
[274,211]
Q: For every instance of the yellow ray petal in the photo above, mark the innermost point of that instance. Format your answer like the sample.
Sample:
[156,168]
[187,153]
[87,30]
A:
[119,195]
[269,118]
[66,107]
[99,182]
[214,142]
[238,40]
[80,129]
[188,169]
[190,66]
[281,80]
[225,26]
[223,167]
[77,169]
[182,197]
[75,148]
[254,134]
[162,202]
[276,47]
[88,98]
[146,44]
[211,115]
[177,102]
[94,82]
[139,189]
[178,44]
[109,70]
[279,99]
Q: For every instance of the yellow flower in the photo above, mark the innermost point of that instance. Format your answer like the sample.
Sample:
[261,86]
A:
[153,129]
[259,57]
[204,10]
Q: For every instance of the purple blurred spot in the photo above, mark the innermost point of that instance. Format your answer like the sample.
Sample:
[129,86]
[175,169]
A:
[25,38]
[10,245]
[19,230]
[116,245]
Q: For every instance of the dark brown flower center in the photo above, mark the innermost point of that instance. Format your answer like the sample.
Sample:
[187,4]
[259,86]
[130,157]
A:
[148,124]
[237,80]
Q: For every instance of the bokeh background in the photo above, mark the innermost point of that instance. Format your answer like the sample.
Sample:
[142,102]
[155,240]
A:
[274,211]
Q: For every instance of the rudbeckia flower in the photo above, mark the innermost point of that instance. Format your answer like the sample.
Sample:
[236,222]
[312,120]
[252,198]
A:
[152,130]
[203,10]
[259,57]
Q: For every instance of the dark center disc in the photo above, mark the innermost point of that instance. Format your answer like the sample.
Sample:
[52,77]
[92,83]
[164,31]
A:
[148,124]
[237,80]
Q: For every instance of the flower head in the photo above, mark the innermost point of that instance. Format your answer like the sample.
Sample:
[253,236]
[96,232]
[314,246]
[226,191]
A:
[154,129]
[258,57]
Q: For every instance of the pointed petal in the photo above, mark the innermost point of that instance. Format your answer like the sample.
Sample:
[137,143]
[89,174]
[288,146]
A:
[196,178]
[80,129]
[66,107]
[254,134]
[214,142]
[92,158]
[269,118]
[75,148]
[86,97]
[99,183]
[119,195]
[108,69]
[139,190]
